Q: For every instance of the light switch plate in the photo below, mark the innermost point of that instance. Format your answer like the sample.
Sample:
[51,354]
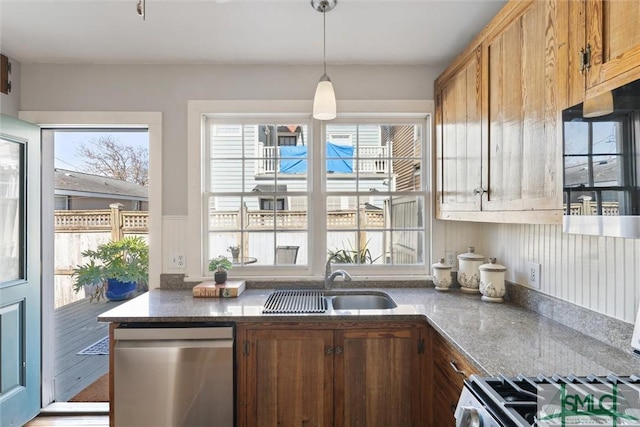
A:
[533,274]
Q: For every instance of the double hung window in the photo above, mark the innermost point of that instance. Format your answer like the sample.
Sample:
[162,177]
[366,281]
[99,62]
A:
[352,190]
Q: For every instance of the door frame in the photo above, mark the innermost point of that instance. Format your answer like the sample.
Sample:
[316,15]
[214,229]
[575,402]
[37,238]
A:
[90,119]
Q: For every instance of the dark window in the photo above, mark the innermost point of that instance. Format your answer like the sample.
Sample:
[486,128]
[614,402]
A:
[598,162]
[269,205]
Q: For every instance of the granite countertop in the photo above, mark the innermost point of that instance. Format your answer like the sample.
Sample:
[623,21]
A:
[496,338]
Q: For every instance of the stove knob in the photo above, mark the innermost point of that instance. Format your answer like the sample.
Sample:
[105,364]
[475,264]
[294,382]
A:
[468,417]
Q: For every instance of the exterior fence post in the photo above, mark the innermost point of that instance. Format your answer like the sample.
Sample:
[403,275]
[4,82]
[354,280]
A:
[116,221]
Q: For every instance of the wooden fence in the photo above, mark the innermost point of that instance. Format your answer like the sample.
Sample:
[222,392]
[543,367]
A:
[76,231]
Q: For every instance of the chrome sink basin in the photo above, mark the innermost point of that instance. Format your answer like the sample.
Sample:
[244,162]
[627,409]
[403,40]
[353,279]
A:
[361,301]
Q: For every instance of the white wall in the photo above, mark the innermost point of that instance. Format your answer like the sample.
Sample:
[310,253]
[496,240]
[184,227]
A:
[167,88]
[599,273]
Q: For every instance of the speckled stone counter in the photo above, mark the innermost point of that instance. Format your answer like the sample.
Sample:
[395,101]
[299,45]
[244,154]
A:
[496,338]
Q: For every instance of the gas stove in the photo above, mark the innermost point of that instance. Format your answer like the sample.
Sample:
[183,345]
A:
[549,401]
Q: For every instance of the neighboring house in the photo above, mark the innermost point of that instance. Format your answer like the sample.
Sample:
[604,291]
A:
[282,149]
[83,191]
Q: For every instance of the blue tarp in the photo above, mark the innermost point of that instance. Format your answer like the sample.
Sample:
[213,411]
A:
[293,159]
[339,158]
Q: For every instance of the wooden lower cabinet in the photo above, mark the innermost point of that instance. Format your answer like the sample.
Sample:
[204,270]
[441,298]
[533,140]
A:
[291,372]
[450,369]
[355,374]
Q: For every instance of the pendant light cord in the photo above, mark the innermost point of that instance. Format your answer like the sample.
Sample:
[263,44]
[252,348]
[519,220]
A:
[324,38]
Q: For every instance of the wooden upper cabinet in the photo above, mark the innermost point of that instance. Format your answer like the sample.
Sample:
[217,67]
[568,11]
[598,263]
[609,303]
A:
[290,378]
[459,137]
[524,150]
[598,46]
[377,378]
[613,35]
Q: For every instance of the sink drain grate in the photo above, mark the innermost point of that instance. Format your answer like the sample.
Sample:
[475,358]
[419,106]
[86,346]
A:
[295,301]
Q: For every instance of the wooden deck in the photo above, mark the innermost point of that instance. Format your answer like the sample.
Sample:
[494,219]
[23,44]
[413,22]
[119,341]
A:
[77,327]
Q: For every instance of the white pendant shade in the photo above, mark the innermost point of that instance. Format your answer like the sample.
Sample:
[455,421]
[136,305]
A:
[599,105]
[324,102]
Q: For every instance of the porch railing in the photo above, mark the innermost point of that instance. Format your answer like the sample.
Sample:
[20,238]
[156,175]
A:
[261,219]
[366,159]
[590,207]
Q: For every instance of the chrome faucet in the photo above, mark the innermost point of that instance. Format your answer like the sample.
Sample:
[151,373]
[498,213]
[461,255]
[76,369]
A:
[329,276]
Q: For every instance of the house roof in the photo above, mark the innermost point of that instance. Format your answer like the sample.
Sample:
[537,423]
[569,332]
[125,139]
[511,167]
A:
[70,183]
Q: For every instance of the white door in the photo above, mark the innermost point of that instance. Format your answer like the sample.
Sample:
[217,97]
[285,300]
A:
[20,274]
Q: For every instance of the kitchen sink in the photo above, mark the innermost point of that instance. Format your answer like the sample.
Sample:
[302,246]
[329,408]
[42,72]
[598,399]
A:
[361,301]
[300,301]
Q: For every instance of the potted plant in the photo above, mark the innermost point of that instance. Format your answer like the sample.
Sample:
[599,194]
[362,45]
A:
[114,270]
[235,253]
[220,265]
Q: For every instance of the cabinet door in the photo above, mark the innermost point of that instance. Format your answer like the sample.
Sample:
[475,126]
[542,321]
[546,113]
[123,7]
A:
[377,378]
[613,35]
[522,171]
[289,378]
[571,41]
[459,138]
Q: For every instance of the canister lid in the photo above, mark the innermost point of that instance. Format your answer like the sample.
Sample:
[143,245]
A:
[471,255]
[441,265]
[492,266]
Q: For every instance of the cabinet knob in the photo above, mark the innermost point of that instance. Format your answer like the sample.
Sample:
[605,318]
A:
[338,350]
[478,191]
[328,350]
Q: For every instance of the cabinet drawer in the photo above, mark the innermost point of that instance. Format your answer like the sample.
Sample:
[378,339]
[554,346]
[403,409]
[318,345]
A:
[450,362]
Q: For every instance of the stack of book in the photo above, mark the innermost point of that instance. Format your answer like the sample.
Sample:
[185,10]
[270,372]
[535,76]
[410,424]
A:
[210,289]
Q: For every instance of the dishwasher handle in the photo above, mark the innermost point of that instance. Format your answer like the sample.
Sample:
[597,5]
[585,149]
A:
[155,334]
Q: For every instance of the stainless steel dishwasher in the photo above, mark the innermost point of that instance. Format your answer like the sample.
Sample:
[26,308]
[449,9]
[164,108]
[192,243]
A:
[173,376]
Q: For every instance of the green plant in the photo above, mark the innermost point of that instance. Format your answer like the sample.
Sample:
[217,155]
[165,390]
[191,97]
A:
[352,255]
[221,263]
[126,260]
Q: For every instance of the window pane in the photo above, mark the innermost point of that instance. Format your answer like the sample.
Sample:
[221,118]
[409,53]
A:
[576,171]
[291,248]
[407,247]
[226,175]
[605,137]
[224,213]
[605,171]
[576,137]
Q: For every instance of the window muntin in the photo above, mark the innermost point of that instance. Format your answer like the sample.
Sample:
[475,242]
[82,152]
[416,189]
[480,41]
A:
[598,155]
[386,224]
[253,187]
[386,172]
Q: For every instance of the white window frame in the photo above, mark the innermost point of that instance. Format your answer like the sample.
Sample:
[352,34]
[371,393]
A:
[375,111]
[248,120]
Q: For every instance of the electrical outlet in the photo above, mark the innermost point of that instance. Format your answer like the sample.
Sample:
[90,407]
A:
[450,258]
[533,274]
[176,260]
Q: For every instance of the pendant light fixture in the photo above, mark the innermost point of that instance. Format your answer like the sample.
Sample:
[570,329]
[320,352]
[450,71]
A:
[324,102]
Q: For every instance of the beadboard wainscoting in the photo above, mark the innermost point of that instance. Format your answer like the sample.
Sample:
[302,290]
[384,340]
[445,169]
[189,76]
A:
[598,273]
[174,232]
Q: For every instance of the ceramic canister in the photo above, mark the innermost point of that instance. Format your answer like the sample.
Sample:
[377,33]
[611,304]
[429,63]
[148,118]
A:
[441,275]
[468,273]
[492,285]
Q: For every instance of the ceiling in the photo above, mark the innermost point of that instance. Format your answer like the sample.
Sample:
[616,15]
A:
[289,32]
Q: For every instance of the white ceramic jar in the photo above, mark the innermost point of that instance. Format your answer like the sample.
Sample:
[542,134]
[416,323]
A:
[441,275]
[468,273]
[492,285]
